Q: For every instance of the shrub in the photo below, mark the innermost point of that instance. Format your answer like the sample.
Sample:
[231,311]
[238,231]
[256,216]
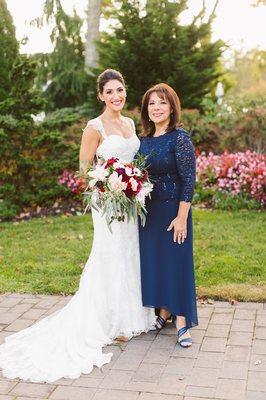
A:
[34,155]
[225,201]
[8,210]
[61,118]
[71,181]
[31,161]
[237,178]
[204,133]
[239,124]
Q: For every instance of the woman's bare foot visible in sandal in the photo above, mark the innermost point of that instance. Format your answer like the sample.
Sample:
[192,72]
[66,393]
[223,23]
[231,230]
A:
[181,323]
[162,318]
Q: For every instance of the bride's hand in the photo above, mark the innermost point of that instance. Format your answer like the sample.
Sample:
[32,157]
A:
[180,229]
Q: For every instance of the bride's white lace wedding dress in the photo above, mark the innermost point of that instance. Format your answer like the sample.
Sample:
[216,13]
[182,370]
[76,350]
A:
[106,305]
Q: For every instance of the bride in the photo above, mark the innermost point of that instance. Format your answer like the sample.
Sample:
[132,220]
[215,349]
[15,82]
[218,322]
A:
[108,303]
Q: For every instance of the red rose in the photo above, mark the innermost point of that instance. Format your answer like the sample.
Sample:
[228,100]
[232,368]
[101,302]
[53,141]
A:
[125,178]
[110,162]
[129,192]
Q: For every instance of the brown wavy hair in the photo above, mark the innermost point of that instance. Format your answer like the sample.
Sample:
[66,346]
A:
[163,91]
[109,75]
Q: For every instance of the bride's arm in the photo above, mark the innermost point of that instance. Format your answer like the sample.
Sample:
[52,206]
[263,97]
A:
[90,141]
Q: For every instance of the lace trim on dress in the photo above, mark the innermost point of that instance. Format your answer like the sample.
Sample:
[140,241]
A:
[97,124]
[186,165]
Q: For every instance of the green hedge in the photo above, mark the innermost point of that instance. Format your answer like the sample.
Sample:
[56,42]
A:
[33,155]
[32,158]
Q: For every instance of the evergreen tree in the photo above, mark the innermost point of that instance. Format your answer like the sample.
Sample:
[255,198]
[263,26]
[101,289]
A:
[24,99]
[8,49]
[62,73]
[149,45]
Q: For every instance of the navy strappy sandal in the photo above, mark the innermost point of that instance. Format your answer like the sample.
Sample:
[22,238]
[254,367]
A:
[161,322]
[186,342]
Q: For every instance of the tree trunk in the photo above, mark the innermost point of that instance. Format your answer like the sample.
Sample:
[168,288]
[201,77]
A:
[93,23]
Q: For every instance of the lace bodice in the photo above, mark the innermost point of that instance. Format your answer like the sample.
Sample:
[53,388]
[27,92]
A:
[171,164]
[115,145]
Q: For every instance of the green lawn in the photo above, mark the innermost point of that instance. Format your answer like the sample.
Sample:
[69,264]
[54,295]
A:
[46,255]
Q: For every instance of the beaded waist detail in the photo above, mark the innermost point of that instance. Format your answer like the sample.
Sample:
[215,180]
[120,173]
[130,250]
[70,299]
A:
[166,186]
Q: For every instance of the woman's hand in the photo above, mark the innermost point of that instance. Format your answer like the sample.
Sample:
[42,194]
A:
[180,229]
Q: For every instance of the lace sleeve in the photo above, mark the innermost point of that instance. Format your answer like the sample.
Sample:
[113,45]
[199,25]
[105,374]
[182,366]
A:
[186,165]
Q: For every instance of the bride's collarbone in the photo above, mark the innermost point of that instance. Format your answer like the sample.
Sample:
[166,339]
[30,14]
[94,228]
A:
[123,128]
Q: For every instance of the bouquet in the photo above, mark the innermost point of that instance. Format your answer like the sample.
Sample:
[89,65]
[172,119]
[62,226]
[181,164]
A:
[118,189]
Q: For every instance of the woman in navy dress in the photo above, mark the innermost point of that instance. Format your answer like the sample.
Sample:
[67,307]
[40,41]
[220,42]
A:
[166,247]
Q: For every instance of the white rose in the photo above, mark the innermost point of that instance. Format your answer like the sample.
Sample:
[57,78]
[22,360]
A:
[115,183]
[144,192]
[134,184]
[92,183]
[129,171]
[99,173]
[118,164]
[137,172]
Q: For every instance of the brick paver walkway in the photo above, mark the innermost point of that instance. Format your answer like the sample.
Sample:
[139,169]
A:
[227,360]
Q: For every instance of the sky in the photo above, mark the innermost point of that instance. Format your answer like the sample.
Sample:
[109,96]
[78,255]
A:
[237,23]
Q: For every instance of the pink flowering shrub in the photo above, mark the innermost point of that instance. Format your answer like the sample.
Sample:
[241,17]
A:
[225,181]
[71,181]
[242,173]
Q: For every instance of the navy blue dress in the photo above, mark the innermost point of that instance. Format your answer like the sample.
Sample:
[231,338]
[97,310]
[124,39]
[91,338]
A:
[167,270]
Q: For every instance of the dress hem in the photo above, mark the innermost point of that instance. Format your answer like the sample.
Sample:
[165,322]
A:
[189,323]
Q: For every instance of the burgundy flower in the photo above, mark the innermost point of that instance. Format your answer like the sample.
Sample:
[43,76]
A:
[110,162]
[120,171]
[129,192]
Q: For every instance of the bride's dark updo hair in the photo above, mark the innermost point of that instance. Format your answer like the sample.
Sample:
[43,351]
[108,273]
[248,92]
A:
[109,75]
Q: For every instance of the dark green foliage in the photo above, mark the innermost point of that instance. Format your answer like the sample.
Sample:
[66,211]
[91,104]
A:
[237,125]
[64,117]
[149,46]
[23,99]
[225,201]
[213,198]
[8,49]
[32,158]
[62,73]
[7,208]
